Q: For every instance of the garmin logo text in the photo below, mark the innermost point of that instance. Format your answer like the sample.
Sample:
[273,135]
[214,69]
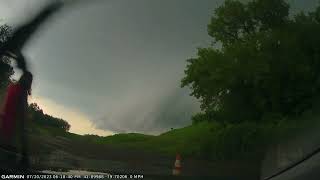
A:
[12,176]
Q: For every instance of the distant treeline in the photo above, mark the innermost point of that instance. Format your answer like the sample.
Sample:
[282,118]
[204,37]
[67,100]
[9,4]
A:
[37,116]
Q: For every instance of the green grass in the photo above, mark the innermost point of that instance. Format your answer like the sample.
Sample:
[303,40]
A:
[118,139]
[194,141]
[210,140]
[207,140]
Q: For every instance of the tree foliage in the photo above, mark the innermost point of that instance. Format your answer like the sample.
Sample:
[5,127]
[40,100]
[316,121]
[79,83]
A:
[262,63]
[6,69]
[40,118]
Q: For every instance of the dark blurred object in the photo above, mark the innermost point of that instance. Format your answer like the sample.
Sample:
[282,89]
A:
[14,111]
[23,33]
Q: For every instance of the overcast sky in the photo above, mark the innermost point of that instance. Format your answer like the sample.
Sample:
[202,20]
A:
[110,66]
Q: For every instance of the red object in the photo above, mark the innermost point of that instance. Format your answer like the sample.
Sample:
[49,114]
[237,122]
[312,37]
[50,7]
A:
[10,109]
[177,166]
[178,157]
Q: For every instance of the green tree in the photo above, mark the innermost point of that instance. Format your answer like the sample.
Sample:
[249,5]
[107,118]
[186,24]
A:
[37,116]
[263,63]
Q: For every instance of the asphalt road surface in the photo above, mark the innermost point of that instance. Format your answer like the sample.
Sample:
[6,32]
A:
[307,170]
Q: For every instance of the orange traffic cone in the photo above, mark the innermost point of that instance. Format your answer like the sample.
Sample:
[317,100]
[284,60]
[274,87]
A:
[177,166]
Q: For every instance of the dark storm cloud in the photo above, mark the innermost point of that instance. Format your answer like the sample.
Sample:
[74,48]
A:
[153,115]
[121,61]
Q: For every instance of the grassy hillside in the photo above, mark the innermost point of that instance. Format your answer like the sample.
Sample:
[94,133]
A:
[208,140]
[204,140]
[239,146]
[186,140]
